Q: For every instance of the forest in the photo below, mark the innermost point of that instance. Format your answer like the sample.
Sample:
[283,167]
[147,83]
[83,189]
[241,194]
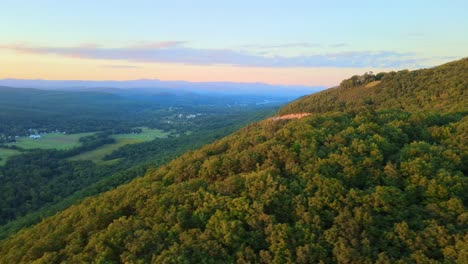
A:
[375,173]
[38,182]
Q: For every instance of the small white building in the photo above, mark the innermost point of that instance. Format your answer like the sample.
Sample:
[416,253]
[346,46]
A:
[35,136]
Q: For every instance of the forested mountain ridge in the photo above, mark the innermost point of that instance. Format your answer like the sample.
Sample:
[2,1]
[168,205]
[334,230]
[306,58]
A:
[360,180]
[442,88]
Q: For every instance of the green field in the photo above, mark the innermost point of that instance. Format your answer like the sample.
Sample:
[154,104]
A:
[98,154]
[51,141]
[7,153]
[64,141]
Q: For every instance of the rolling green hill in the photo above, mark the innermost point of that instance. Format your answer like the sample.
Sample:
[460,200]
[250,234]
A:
[377,173]
[438,89]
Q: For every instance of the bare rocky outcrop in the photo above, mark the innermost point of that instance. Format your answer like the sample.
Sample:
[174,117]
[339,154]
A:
[289,116]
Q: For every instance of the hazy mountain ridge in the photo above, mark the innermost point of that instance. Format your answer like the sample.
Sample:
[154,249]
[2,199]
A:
[152,86]
[358,181]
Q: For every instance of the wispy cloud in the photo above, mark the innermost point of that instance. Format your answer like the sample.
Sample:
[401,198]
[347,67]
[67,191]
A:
[304,45]
[121,66]
[176,52]
[338,45]
[158,45]
[286,45]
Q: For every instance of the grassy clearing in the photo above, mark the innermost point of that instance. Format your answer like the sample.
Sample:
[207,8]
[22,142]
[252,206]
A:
[147,134]
[51,141]
[372,84]
[98,154]
[7,153]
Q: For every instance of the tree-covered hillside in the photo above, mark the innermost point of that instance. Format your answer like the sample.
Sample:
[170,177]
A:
[438,89]
[53,168]
[376,174]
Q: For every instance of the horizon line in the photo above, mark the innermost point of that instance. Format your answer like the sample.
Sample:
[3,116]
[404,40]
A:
[165,81]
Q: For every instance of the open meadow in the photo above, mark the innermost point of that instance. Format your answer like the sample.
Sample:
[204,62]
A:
[46,141]
[5,154]
[68,141]
[121,140]
[50,141]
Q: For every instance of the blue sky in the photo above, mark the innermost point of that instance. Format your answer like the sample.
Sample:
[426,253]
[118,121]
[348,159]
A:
[340,36]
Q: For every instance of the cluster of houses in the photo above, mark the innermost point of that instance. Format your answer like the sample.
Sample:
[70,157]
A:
[34,134]
[189,115]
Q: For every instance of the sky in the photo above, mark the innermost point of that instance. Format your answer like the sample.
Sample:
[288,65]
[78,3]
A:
[302,42]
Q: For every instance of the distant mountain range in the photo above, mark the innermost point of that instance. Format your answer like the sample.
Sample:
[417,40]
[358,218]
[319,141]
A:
[154,85]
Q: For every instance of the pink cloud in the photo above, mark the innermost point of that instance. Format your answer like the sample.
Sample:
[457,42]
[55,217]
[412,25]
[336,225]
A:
[175,52]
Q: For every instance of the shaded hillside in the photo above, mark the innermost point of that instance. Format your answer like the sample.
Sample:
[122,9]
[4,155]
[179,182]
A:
[382,184]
